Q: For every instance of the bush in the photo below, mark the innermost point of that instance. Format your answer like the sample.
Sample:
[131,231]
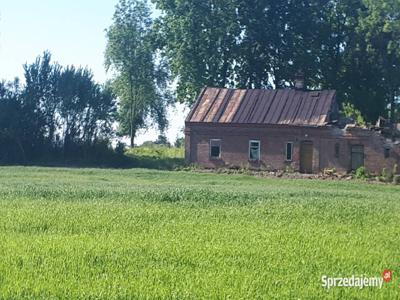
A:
[350,111]
[162,141]
[361,173]
[157,157]
[120,148]
[180,142]
[386,176]
[158,152]
[289,169]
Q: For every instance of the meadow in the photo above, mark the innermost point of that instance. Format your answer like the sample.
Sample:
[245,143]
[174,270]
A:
[150,234]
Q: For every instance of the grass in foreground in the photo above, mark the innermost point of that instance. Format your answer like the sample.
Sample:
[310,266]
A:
[107,234]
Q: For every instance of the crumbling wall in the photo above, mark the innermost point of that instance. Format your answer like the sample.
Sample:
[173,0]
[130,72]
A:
[375,146]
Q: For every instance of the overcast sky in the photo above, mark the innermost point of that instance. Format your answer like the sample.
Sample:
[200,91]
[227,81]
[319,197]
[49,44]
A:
[73,31]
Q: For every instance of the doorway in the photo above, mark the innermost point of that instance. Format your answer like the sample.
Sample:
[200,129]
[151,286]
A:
[306,157]
[357,157]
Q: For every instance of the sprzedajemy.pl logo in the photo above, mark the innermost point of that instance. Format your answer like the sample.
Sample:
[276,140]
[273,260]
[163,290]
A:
[357,281]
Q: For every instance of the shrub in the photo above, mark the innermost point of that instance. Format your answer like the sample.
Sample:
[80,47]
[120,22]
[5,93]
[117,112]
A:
[179,142]
[162,141]
[350,111]
[386,176]
[157,157]
[361,173]
[120,148]
[289,169]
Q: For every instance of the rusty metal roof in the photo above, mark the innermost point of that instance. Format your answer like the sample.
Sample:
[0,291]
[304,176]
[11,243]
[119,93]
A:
[284,107]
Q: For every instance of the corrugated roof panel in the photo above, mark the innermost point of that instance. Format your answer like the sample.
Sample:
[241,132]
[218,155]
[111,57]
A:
[298,110]
[280,108]
[258,100]
[251,99]
[289,107]
[245,106]
[232,106]
[216,104]
[255,99]
[318,109]
[294,109]
[196,104]
[313,104]
[305,107]
[223,105]
[326,107]
[203,106]
[210,105]
[273,107]
[264,105]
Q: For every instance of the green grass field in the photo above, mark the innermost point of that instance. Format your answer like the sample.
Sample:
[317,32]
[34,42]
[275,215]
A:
[123,234]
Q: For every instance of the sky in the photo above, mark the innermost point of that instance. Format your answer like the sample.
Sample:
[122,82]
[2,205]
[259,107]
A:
[74,32]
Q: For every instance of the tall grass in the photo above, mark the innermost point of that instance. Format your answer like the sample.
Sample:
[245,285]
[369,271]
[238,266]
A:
[147,234]
[157,157]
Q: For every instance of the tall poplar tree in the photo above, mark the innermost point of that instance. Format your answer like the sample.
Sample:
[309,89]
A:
[139,80]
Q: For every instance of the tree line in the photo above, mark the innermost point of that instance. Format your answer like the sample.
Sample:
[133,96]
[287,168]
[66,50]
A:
[352,46]
[59,112]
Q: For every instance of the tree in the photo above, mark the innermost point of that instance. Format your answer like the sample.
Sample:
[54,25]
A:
[380,24]
[343,59]
[349,111]
[57,109]
[179,142]
[243,44]
[199,39]
[86,109]
[162,140]
[12,149]
[347,45]
[38,103]
[140,80]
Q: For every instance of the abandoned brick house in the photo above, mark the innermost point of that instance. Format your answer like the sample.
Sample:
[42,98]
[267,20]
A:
[280,129]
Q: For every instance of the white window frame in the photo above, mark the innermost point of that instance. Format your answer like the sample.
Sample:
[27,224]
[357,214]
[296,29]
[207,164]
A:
[259,150]
[220,148]
[286,153]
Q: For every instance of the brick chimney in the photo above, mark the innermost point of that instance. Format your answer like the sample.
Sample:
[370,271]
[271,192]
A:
[299,81]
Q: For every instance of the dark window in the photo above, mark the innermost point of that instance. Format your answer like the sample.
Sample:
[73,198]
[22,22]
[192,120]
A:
[337,150]
[254,150]
[387,152]
[289,151]
[357,156]
[215,149]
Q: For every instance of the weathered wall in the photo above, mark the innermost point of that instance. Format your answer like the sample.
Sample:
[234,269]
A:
[374,149]
[273,138]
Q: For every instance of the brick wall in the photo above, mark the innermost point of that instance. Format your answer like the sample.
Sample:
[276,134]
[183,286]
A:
[235,146]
